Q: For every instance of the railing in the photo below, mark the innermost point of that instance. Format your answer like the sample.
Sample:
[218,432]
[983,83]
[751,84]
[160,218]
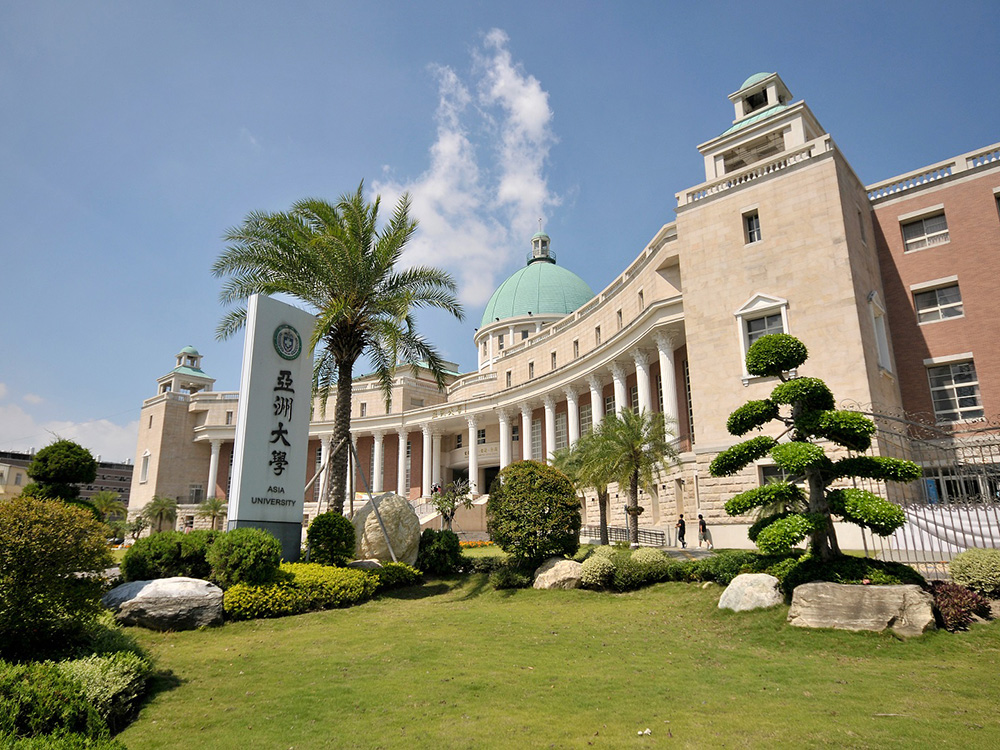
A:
[756,171]
[216,396]
[934,172]
[486,377]
[647,537]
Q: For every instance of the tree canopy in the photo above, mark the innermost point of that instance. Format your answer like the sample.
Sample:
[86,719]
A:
[59,468]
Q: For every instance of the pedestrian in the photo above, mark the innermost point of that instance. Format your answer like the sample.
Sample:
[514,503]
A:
[703,535]
[681,526]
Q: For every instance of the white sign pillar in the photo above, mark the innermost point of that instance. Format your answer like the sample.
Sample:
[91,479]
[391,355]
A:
[272,425]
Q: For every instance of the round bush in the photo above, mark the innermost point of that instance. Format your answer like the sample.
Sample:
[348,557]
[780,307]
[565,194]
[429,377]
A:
[533,512]
[331,539]
[245,555]
[978,569]
[812,393]
[774,354]
[44,545]
[37,698]
[326,587]
[597,572]
[168,554]
[440,552]
[605,550]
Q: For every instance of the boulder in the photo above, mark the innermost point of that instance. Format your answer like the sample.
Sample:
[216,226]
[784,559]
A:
[558,573]
[177,603]
[907,609]
[751,591]
[401,525]
[365,565]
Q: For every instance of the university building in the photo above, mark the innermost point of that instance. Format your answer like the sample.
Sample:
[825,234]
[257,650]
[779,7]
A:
[888,285]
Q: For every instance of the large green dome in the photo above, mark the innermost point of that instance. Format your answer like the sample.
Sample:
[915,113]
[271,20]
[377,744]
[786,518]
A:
[540,288]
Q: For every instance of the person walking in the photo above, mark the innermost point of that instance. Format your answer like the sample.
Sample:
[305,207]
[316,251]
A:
[703,535]
[681,527]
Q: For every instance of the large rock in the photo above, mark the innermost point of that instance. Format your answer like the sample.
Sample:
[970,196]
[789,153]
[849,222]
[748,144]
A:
[401,525]
[751,591]
[177,603]
[906,609]
[558,573]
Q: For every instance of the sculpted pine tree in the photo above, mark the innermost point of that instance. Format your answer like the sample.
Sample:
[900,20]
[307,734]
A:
[806,407]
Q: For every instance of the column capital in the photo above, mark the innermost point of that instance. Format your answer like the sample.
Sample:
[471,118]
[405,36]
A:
[326,441]
[504,416]
[594,381]
[472,420]
[665,341]
[641,358]
[618,371]
[378,435]
[550,401]
[572,392]
[526,410]
[426,429]
[403,433]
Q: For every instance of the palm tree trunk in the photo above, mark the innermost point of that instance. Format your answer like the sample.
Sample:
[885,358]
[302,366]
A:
[633,507]
[341,430]
[602,505]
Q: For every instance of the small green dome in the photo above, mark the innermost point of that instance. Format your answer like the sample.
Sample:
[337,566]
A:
[755,78]
[541,288]
[189,350]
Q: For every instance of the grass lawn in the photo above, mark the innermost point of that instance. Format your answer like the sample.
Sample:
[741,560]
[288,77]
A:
[455,664]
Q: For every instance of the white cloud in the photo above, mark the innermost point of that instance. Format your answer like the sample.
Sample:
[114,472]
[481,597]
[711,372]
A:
[33,399]
[485,188]
[19,431]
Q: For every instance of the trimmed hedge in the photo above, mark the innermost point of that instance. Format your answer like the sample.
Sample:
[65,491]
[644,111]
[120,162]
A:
[304,587]
[245,555]
[59,742]
[733,459]
[752,415]
[168,554]
[812,393]
[979,570]
[847,428]
[774,354]
[597,572]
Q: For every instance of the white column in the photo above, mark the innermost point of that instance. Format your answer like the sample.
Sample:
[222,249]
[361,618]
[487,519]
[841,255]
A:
[642,380]
[573,415]
[526,432]
[428,454]
[325,447]
[473,456]
[436,458]
[504,417]
[401,489]
[550,427]
[213,468]
[378,461]
[668,383]
[596,400]
[618,374]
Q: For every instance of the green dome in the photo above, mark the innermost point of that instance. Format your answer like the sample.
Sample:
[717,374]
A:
[755,78]
[541,288]
[189,350]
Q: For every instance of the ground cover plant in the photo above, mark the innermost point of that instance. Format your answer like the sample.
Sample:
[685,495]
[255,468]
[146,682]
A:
[457,664]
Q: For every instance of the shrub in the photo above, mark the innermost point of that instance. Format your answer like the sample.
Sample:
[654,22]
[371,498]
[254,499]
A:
[653,563]
[722,567]
[483,564]
[774,354]
[394,575]
[849,570]
[167,554]
[957,605]
[440,552]
[510,577]
[533,512]
[331,539]
[752,415]
[979,570]
[597,572]
[605,550]
[37,698]
[59,742]
[44,546]
[325,587]
[113,684]
[244,601]
[734,458]
[245,555]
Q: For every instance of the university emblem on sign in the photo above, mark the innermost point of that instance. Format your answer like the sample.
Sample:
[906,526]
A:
[287,342]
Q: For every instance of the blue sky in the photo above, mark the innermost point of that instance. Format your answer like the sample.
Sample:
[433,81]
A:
[132,135]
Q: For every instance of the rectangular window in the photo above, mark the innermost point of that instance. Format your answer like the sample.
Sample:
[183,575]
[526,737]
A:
[925,232]
[229,417]
[938,304]
[955,391]
[144,468]
[553,360]
[642,300]
[531,370]
[597,336]
[500,342]
[658,397]
[515,433]
[751,227]
[195,493]
[619,317]
[480,437]
[609,404]
[536,439]
[861,228]
[576,348]
[364,409]
[757,327]
[524,334]
[406,471]
[416,402]
[484,350]
[561,435]
[507,378]
[771,474]
[17,480]
[586,419]
[633,398]
[150,422]
[458,440]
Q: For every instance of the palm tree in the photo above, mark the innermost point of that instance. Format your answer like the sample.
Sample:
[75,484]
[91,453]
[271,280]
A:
[572,461]
[336,260]
[108,504]
[629,448]
[159,511]
[212,508]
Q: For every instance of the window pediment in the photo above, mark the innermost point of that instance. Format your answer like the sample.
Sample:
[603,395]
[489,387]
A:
[760,303]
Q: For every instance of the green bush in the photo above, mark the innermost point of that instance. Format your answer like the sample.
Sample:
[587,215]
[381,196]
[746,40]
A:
[979,570]
[245,555]
[811,393]
[440,552]
[796,457]
[533,512]
[244,601]
[104,636]
[485,564]
[168,554]
[331,539]
[44,601]
[114,684]
[752,415]
[605,550]
[785,532]
[394,575]
[847,428]
[848,570]
[59,742]
[37,698]
[733,459]
[774,354]
[326,587]
[597,572]
[867,509]
[723,566]
[957,606]
[510,577]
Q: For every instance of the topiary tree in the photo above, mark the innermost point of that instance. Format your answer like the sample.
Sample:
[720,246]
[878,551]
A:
[331,539]
[806,407]
[57,469]
[533,512]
